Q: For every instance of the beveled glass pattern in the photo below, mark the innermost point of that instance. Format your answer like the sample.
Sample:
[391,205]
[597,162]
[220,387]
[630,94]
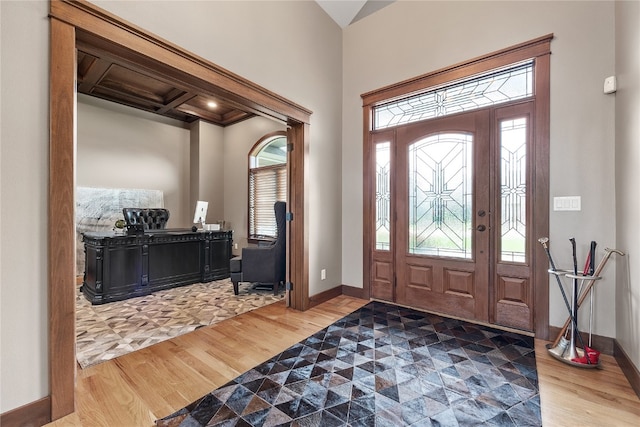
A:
[383,196]
[513,189]
[440,195]
[383,366]
[493,88]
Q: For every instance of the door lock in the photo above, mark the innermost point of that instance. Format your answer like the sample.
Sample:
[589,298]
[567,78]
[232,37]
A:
[481,227]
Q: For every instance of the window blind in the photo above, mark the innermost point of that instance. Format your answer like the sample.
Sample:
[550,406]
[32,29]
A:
[266,186]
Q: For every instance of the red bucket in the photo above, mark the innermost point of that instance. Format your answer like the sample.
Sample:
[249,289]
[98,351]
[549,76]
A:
[592,354]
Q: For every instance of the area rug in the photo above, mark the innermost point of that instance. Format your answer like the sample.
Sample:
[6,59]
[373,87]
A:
[110,330]
[383,365]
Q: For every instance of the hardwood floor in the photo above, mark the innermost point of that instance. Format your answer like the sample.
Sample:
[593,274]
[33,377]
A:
[138,388]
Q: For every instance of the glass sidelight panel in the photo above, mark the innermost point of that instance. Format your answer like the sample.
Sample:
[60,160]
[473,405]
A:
[383,196]
[513,189]
[441,196]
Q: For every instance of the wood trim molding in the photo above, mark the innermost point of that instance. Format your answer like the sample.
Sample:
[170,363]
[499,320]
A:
[36,413]
[626,365]
[299,228]
[352,291]
[61,226]
[541,152]
[520,52]
[74,22]
[324,296]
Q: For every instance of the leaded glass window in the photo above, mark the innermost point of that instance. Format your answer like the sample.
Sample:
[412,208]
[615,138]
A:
[440,195]
[513,189]
[496,87]
[383,196]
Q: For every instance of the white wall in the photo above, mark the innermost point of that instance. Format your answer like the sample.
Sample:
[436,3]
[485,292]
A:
[290,48]
[121,147]
[209,167]
[628,176]
[24,108]
[407,39]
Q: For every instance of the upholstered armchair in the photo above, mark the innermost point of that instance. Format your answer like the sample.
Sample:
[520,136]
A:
[263,264]
[148,218]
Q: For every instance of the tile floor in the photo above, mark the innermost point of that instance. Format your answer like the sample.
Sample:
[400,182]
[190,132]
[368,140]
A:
[383,365]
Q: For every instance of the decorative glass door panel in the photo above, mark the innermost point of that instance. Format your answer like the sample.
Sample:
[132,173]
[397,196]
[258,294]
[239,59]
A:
[513,189]
[440,195]
[383,195]
[443,226]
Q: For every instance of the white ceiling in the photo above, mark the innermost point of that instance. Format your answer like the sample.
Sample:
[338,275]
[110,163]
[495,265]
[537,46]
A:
[346,12]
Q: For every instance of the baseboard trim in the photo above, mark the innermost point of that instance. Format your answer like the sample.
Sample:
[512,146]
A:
[626,365]
[352,291]
[34,414]
[324,296]
[603,344]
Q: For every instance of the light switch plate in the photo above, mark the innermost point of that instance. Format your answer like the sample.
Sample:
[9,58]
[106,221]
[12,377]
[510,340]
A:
[567,203]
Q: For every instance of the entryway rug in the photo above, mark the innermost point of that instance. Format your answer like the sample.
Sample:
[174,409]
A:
[383,365]
[110,330]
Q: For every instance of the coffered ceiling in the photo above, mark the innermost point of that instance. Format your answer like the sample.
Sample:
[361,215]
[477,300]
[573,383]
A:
[108,77]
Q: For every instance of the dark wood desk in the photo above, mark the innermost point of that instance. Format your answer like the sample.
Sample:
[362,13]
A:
[118,267]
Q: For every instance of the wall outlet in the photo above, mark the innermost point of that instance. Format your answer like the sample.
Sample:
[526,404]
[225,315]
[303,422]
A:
[235,246]
[323,274]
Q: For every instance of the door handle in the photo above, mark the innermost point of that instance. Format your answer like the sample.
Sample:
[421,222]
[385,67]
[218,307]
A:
[481,227]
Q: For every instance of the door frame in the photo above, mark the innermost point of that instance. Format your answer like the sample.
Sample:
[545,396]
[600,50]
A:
[74,20]
[538,50]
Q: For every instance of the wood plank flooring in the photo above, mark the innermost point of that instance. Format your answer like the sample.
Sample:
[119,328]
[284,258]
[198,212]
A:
[137,389]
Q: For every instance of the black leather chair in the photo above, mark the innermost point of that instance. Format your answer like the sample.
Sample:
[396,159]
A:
[148,218]
[263,264]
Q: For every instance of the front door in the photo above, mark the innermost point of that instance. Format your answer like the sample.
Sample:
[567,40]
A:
[453,215]
[442,205]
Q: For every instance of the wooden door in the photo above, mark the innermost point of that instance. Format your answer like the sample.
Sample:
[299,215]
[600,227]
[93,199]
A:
[443,224]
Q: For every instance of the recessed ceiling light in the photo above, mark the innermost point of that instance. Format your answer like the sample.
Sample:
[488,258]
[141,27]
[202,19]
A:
[211,104]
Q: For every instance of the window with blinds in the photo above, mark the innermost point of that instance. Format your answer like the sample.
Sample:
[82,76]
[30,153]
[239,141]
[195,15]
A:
[267,183]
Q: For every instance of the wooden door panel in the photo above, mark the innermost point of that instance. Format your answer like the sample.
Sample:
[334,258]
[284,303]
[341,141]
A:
[460,283]
[513,302]
[382,277]
[438,290]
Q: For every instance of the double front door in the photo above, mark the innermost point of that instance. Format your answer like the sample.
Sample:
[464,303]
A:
[452,214]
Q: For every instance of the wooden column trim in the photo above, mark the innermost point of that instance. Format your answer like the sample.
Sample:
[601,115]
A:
[298,206]
[61,226]
[541,194]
